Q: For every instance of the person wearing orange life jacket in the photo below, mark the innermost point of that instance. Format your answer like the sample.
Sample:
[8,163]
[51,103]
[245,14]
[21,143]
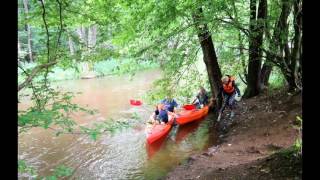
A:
[229,90]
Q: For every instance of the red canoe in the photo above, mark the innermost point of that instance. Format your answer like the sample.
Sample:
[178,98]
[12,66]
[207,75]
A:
[135,102]
[187,116]
[159,130]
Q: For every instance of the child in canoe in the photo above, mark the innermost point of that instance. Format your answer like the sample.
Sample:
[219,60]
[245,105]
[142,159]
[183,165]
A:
[160,115]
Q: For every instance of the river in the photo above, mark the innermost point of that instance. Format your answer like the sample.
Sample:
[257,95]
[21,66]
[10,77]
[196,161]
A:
[122,155]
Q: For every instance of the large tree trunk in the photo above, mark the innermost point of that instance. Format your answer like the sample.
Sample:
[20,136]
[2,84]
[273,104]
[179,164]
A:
[276,45]
[255,42]
[281,43]
[28,29]
[295,53]
[209,54]
[290,80]
[267,66]
[265,74]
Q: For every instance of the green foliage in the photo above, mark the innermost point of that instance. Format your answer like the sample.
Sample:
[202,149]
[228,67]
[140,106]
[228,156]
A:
[276,80]
[296,149]
[132,36]
[183,86]
[104,68]
[298,146]
[298,123]
[59,172]
[23,168]
[131,66]
[298,143]
[101,68]
[63,171]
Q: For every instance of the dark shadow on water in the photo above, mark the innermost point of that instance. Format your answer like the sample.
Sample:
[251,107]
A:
[184,130]
[154,147]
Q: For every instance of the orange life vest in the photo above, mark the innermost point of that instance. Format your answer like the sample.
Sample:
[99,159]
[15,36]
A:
[229,88]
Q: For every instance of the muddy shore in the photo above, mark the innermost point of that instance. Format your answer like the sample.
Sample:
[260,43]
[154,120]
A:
[262,126]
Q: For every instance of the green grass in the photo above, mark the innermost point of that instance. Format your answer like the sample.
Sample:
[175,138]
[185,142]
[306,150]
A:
[104,68]
[276,80]
[101,68]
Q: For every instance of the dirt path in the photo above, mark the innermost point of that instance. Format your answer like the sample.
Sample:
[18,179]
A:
[262,126]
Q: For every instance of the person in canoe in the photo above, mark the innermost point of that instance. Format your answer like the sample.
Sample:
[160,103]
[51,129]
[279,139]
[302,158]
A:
[201,99]
[229,90]
[160,115]
[169,103]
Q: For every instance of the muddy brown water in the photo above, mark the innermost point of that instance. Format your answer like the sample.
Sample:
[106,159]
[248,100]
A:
[122,155]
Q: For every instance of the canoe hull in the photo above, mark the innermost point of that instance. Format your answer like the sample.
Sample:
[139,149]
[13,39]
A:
[159,131]
[187,116]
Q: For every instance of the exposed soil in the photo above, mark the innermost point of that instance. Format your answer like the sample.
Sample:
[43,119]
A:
[262,126]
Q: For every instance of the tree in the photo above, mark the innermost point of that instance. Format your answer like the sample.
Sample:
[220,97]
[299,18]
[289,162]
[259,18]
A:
[83,37]
[257,26]
[283,53]
[295,58]
[265,74]
[92,36]
[71,46]
[28,29]
[209,54]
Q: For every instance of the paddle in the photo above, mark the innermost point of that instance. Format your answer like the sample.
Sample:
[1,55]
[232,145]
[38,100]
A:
[220,113]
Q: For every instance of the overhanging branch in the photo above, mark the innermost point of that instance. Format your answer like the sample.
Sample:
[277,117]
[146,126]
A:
[33,73]
[236,25]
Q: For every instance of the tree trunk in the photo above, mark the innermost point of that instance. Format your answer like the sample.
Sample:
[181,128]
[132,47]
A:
[71,46]
[295,55]
[280,40]
[209,54]
[28,29]
[287,68]
[290,78]
[265,74]
[255,43]
[267,66]
[84,34]
[242,58]
[92,36]
[19,47]
[81,31]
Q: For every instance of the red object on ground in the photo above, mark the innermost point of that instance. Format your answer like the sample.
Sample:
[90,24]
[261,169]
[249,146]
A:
[135,102]
[159,130]
[187,116]
[189,106]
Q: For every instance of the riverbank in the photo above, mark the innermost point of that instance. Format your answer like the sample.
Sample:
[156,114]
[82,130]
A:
[262,126]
